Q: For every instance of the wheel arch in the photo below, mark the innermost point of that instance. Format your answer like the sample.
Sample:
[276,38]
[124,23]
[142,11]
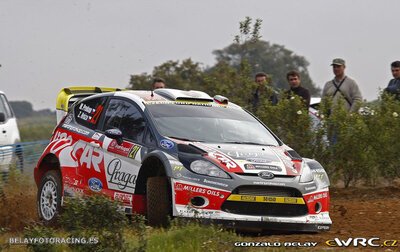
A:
[47,163]
[155,164]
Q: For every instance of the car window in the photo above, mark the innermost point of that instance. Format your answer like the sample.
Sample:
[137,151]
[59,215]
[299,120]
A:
[88,112]
[5,107]
[209,124]
[125,116]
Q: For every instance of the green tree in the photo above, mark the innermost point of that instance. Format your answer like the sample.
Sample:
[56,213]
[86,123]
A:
[181,75]
[261,55]
[22,108]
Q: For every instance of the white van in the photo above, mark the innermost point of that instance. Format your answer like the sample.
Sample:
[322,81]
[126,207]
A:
[9,133]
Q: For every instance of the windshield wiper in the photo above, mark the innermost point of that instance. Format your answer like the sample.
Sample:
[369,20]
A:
[185,139]
[243,142]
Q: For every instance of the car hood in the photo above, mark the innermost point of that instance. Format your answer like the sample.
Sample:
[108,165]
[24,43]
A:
[247,158]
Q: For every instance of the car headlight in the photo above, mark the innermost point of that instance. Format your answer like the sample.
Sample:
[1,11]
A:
[321,179]
[207,168]
[306,175]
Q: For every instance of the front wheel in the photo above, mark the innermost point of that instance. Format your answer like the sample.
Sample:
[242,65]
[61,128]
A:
[49,197]
[158,201]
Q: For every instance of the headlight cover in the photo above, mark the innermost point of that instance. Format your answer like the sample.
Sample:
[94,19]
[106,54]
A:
[306,175]
[207,168]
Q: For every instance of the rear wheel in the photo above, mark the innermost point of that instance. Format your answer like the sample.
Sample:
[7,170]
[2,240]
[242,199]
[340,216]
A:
[49,197]
[158,201]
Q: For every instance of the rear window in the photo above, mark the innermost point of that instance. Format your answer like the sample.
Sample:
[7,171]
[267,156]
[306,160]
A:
[88,112]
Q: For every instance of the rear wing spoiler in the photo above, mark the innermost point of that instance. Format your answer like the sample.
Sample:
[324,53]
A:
[67,96]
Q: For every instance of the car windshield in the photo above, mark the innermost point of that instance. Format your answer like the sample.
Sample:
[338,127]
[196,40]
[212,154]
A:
[214,124]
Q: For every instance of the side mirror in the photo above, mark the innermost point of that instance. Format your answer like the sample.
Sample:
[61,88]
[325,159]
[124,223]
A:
[115,134]
[2,117]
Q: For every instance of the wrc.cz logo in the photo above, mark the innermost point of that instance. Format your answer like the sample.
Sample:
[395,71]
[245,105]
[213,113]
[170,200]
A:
[364,242]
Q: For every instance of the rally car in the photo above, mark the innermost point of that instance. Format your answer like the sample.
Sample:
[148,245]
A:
[172,153]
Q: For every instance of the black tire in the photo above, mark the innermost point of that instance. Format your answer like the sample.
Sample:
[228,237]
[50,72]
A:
[49,198]
[158,201]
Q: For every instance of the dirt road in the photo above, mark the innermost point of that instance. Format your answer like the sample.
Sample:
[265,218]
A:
[355,212]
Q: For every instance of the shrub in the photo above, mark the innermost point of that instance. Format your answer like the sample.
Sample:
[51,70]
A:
[95,217]
[17,201]
[192,237]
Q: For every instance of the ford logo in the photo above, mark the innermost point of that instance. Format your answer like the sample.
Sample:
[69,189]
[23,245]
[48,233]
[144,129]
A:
[166,144]
[266,175]
[95,184]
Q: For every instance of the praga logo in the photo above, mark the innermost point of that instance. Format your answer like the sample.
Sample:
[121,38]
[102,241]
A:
[123,180]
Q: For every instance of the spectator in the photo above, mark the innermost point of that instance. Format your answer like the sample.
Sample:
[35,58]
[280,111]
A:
[264,89]
[393,87]
[158,83]
[293,78]
[342,86]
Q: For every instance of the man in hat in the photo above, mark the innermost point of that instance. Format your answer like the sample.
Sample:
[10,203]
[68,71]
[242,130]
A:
[342,87]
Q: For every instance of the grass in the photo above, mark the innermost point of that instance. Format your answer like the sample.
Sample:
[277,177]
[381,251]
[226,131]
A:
[17,201]
[36,128]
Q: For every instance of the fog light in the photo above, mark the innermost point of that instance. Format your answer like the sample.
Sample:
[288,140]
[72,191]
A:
[318,207]
[198,201]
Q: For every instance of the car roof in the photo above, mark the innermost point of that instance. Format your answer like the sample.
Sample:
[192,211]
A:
[315,100]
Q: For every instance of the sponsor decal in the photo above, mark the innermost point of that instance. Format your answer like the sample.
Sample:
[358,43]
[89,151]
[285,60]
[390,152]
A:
[96,136]
[180,176]
[310,188]
[193,103]
[177,168]
[124,180]
[68,119]
[62,135]
[268,183]
[166,144]
[95,184]
[88,113]
[214,183]
[195,189]
[90,156]
[72,190]
[75,129]
[60,141]
[256,156]
[124,197]
[266,175]
[266,199]
[258,160]
[262,167]
[317,196]
[97,114]
[224,160]
[198,212]
[124,149]
[133,151]
[247,198]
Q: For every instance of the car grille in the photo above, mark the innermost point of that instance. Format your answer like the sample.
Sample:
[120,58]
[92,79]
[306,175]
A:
[265,209]
[275,191]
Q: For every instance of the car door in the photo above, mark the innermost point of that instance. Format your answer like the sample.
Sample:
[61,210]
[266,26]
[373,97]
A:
[122,161]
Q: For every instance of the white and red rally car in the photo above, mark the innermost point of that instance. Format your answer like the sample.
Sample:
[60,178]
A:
[174,153]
